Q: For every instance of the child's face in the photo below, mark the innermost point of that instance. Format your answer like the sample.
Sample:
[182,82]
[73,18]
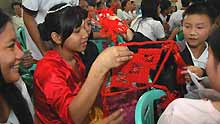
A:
[196,29]
[133,5]
[10,55]
[213,70]
[129,5]
[84,4]
[77,41]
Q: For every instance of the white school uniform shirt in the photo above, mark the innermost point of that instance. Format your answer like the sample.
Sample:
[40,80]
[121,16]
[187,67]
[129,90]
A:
[12,119]
[163,18]
[120,13]
[176,19]
[203,58]
[41,7]
[149,27]
[133,14]
[126,16]
[190,111]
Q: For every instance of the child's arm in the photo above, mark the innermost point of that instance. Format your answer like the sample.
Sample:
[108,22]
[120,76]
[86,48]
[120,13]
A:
[27,59]
[173,34]
[31,25]
[111,57]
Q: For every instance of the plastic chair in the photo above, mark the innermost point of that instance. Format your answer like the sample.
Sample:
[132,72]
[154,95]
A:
[179,36]
[103,43]
[26,73]
[144,112]
[21,38]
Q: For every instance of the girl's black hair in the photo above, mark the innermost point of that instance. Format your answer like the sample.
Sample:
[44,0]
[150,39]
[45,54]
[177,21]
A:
[214,42]
[202,9]
[10,92]
[4,18]
[149,8]
[164,5]
[62,21]
[124,3]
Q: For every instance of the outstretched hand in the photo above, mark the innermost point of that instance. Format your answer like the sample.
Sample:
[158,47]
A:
[113,57]
[27,60]
[194,69]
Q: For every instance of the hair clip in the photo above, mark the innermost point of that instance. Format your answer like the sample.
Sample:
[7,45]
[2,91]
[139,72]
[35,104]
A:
[62,7]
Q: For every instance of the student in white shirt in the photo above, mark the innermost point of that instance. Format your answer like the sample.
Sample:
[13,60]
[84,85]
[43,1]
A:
[148,23]
[206,110]
[34,14]
[197,22]
[17,19]
[164,12]
[200,111]
[133,11]
[176,17]
[126,11]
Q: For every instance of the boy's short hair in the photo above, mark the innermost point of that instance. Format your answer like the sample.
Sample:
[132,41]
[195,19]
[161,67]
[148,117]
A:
[201,9]
[164,5]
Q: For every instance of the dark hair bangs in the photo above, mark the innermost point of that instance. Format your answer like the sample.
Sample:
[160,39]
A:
[201,8]
[69,21]
[149,8]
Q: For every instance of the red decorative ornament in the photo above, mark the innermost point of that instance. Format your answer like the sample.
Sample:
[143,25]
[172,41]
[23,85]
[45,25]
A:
[133,76]
[110,25]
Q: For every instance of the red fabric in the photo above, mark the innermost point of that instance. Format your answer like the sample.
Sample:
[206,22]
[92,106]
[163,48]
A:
[110,27]
[56,85]
[134,75]
[137,69]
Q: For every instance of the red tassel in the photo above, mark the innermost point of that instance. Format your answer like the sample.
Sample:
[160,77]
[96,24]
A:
[109,26]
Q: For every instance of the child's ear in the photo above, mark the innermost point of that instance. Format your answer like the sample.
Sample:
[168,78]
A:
[56,38]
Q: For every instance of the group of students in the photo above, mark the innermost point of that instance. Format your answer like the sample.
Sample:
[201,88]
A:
[64,93]
[57,103]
